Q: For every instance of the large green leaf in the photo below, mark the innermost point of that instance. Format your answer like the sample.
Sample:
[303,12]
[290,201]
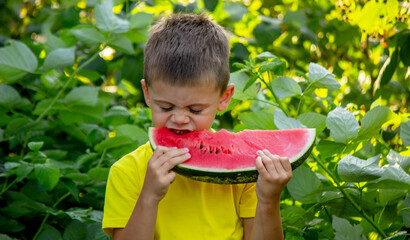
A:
[394,157]
[313,120]
[342,124]
[84,95]
[133,132]
[285,87]
[406,211]
[389,68]
[283,122]
[122,44]
[305,185]
[99,174]
[16,60]
[89,36]
[47,174]
[8,96]
[405,133]
[49,233]
[258,120]
[345,231]
[320,77]
[354,169]
[141,20]
[240,80]
[76,230]
[59,58]
[106,20]
[394,177]
[373,121]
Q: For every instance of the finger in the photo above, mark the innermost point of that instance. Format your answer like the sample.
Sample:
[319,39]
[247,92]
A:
[276,160]
[172,162]
[170,154]
[261,168]
[269,164]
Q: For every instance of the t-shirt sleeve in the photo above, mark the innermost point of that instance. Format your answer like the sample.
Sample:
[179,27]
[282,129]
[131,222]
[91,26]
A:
[123,188]
[248,200]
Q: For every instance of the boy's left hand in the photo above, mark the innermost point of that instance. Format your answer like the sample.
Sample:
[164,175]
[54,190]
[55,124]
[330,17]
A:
[274,173]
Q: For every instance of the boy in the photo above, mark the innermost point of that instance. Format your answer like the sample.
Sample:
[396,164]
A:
[185,83]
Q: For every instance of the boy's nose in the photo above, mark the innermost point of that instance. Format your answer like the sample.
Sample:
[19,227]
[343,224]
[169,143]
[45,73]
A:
[180,119]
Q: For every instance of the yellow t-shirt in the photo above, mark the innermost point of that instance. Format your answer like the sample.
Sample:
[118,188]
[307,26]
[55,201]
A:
[190,209]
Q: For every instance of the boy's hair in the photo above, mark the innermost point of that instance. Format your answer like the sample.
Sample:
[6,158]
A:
[187,49]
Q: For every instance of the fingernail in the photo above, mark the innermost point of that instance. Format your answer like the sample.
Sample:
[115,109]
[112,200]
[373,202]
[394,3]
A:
[259,152]
[187,155]
[186,149]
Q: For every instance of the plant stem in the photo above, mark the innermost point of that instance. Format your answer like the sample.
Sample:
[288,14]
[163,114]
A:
[48,215]
[349,198]
[102,157]
[5,187]
[49,107]
[269,86]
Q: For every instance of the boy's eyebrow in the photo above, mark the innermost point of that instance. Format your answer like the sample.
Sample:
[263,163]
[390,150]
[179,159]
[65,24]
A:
[194,104]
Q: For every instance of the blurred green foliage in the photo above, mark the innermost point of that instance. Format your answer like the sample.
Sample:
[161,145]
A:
[71,105]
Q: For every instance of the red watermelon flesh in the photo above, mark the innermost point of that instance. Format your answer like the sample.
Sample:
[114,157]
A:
[228,156]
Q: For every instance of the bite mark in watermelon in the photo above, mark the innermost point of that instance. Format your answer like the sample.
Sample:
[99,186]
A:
[228,158]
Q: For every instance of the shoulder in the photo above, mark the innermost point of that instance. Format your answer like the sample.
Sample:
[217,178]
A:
[133,163]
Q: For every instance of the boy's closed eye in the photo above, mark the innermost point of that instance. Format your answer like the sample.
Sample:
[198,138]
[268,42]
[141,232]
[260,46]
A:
[192,110]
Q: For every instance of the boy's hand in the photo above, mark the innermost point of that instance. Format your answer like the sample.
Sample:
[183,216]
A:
[274,173]
[159,176]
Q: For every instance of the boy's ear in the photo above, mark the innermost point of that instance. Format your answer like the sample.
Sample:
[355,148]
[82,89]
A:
[145,91]
[226,97]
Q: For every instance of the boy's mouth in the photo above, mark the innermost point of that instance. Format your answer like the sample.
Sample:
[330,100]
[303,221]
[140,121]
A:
[179,131]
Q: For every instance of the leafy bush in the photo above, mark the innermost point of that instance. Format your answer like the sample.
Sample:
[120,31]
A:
[71,105]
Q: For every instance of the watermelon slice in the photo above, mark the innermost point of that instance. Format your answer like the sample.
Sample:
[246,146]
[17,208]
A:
[227,158]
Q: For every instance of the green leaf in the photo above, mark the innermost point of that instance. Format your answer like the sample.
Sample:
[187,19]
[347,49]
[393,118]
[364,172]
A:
[47,174]
[84,95]
[394,157]
[373,121]
[71,187]
[141,20]
[76,230]
[405,49]
[313,120]
[320,77]
[53,42]
[49,233]
[295,19]
[283,122]
[35,146]
[106,21]
[328,148]
[114,142]
[353,169]
[99,174]
[405,133]
[16,60]
[389,68]
[240,80]
[390,196]
[59,58]
[342,124]
[406,211]
[345,231]
[236,10]
[122,44]
[8,96]
[398,236]
[210,5]
[133,132]
[394,177]
[285,87]
[265,56]
[304,186]
[277,67]
[23,171]
[89,36]
[258,120]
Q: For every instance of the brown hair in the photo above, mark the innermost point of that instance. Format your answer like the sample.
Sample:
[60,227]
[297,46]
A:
[187,49]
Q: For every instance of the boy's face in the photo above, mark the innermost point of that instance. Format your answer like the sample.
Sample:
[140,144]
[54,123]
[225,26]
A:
[185,108]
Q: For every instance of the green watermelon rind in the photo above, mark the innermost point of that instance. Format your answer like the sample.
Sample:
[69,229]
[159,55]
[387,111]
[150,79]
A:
[237,176]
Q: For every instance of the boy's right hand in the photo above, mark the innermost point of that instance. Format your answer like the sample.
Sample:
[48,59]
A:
[159,175]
